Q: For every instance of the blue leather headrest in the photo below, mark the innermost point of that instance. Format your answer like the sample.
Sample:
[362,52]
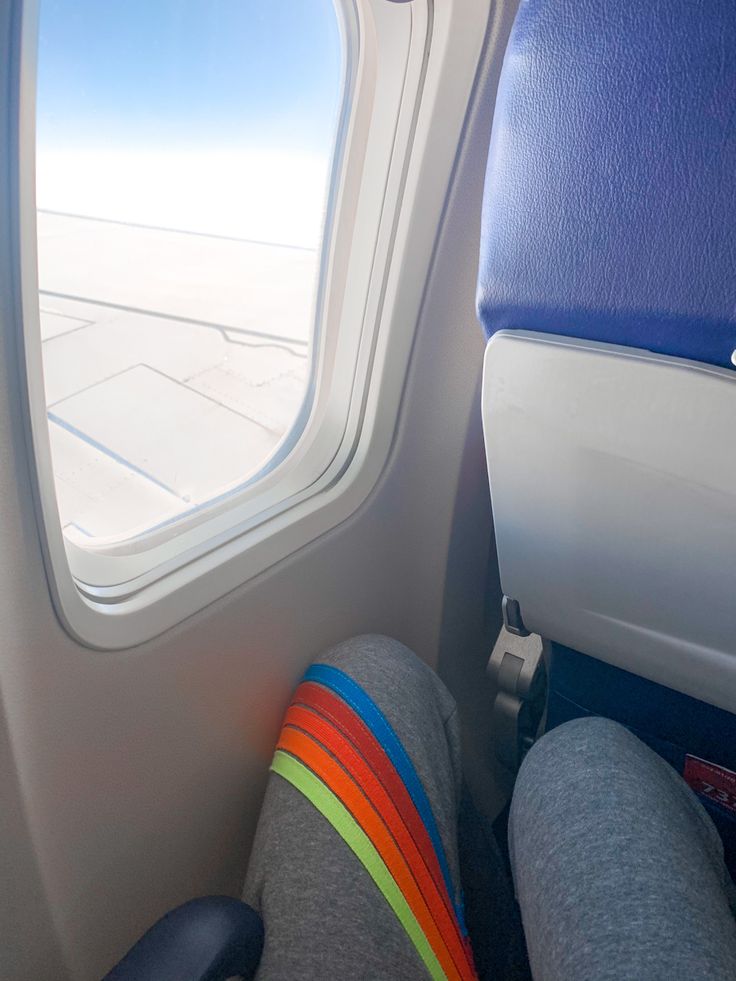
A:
[610,201]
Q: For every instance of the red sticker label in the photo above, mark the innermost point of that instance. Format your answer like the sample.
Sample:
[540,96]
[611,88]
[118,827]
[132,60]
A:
[715,783]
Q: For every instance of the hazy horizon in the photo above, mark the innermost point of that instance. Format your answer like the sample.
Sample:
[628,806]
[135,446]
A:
[217,119]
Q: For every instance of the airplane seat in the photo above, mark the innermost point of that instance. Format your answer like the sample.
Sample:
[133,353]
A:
[607,289]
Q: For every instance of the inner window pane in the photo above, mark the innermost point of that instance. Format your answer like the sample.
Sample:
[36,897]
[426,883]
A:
[183,159]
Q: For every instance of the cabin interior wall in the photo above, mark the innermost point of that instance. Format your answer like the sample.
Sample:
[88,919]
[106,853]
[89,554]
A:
[131,780]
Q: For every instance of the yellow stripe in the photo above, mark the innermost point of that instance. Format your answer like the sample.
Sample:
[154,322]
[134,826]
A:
[332,808]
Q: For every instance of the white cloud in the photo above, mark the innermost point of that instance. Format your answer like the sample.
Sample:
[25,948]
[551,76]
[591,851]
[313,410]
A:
[260,195]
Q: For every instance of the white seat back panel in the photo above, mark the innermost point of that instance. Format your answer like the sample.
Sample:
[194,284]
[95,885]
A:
[613,479]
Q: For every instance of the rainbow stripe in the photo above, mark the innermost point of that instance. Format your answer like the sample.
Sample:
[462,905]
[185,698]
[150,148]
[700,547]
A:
[338,749]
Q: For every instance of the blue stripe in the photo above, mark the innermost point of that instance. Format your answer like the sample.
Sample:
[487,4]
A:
[351,692]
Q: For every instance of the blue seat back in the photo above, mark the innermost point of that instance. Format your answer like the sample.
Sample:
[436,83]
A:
[610,204]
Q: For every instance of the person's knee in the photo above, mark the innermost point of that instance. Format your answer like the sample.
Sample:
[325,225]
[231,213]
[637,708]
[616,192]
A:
[375,659]
[575,769]
[580,750]
[391,674]
[592,735]
[355,650]
[592,777]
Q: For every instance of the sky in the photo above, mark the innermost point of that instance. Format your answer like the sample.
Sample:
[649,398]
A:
[214,116]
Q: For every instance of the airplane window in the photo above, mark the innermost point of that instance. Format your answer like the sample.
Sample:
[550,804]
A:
[184,153]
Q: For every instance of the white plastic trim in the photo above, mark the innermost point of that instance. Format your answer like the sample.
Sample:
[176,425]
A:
[412,83]
[613,479]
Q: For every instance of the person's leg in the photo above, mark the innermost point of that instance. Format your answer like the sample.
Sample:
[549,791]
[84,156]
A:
[618,869]
[324,916]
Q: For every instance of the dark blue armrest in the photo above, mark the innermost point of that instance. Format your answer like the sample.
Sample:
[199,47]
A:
[209,939]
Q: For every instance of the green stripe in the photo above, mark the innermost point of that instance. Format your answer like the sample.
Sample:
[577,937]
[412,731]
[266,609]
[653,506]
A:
[329,805]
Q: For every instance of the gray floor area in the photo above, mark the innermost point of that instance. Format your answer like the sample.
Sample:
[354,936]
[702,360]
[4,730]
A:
[174,364]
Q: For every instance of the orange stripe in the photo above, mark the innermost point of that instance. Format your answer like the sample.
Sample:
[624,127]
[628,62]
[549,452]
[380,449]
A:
[326,703]
[304,748]
[351,725]
[446,922]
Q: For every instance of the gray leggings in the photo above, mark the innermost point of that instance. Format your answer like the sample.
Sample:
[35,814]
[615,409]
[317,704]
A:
[618,869]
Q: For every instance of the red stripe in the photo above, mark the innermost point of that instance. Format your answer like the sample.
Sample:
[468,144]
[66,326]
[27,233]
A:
[319,728]
[329,771]
[332,707]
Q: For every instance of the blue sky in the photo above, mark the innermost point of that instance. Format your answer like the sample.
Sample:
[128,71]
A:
[169,73]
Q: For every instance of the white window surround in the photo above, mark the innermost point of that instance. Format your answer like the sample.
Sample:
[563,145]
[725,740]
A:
[409,77]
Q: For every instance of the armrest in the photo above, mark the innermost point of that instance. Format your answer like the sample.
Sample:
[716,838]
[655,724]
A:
[210,939]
